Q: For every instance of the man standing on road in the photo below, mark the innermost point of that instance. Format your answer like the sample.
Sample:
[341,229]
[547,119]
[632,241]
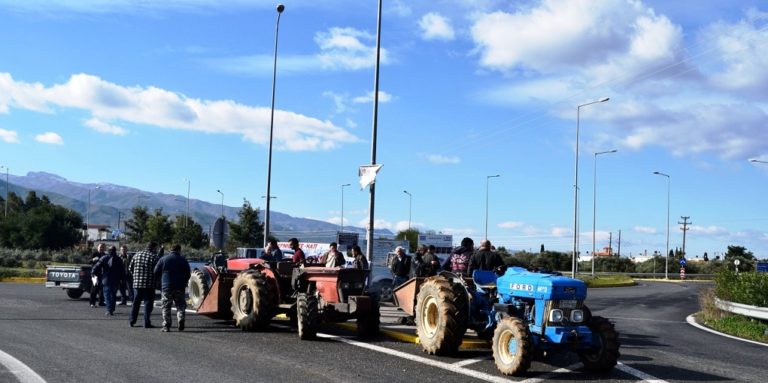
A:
[431,262]
[142,268]
[484,259]
[97,293]
[111,272]
[127,282]
[298,258]
[401,267]
[173,271]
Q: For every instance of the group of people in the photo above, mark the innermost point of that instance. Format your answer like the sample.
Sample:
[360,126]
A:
[141,274]
[463,261]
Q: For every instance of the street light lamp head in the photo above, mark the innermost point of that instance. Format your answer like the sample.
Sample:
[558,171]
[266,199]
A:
[604,99]
[280,8]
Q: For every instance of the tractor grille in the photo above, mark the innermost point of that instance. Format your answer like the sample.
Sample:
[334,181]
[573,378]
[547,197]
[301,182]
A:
[566,306]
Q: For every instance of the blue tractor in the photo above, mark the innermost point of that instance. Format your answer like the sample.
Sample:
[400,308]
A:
[525,313]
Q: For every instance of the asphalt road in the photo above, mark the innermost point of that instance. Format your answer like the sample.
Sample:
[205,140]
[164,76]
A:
[66,341]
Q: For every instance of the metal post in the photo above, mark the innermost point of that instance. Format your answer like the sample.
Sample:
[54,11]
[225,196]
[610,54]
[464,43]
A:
[280,8]
[222,202]
[410,204]
[186,218]
[576,188]
[372,188]
[7,187]
[342,206]
[666,254]
[594,206]
[487,181]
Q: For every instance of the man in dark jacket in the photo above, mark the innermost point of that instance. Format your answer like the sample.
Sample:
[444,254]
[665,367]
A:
[142,268]
[111,272]
[173,272]
[484,259]
[458,262]
[401,267]
[127,283]
[431,262]
[97,290]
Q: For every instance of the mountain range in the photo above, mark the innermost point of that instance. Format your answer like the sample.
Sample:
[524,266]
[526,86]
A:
[111,204]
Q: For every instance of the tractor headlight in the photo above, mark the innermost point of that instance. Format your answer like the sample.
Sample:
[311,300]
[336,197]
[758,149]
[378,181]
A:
[577,316]
[556,315]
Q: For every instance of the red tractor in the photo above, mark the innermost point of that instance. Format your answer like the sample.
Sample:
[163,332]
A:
[252,291]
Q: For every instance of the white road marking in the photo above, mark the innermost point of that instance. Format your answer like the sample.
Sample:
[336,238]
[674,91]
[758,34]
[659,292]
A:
[551,374]
[467,362]
[639,374]
[692,321]
[434,363]
[19,369]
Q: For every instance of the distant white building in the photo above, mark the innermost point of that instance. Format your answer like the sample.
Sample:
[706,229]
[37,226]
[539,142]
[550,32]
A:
[98,232]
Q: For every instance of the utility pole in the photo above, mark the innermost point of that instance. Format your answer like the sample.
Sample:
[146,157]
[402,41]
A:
[610,242]
[618,251]
[685,228]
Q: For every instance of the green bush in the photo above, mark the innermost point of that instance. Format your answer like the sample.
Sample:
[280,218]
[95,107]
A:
[746,288]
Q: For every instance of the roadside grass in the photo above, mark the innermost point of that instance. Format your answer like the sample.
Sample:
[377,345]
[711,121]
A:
[614,280]
[728,323]
[20,272]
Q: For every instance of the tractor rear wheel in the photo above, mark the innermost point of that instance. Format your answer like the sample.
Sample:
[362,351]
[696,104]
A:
[198,288]
[512,350]
[368,323]
[440,322]
[252,301]
[74,293]
[607,355]
[308,317]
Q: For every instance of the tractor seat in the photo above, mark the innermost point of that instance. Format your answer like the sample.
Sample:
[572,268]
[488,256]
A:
[484,280]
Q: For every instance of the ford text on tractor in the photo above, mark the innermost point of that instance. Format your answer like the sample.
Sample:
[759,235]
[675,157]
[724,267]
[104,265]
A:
[525,313]
[252,291]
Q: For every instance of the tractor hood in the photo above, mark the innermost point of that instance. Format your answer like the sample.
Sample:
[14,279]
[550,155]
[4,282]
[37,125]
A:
[522,283]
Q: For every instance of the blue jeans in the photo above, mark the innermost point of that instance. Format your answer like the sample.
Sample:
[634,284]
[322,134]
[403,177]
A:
[110,293]
[148,297]
[399,281]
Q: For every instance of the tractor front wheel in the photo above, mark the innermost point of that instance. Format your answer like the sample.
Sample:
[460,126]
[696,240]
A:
[198,288]
[308,317]
[251,299]
[605,357]
[440,323]
[512,350]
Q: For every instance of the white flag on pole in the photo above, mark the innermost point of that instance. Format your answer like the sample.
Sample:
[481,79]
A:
[367,174]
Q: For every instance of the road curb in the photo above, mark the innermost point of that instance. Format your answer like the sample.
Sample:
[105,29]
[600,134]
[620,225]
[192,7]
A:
[691,319]
[23,279]
[466,344]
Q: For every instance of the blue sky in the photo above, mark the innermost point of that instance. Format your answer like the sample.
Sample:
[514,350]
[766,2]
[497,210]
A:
[146,94]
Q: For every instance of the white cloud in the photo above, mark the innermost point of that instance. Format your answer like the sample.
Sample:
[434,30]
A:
[601,36]
[346,49]
[337,220]
[103,127]
[9,136]
[708,230]
[458,231]
[561,232]
[49,138]
[440,159]
[110,103]
[644,230]
[377,224]
[511,225]
[436,27]
[383,98]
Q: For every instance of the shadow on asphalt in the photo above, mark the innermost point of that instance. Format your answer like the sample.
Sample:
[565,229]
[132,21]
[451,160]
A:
[640,341]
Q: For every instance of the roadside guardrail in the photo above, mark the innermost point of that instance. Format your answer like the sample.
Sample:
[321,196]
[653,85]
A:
[742,309]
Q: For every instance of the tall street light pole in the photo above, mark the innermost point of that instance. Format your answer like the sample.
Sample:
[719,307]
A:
[280,9]
[576,187]
[186,217]
[88,214]
[487,182]
[410,205]
[7,186]
[594,206]
[372,187]
[666,254]
[342,206]
[222,202]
